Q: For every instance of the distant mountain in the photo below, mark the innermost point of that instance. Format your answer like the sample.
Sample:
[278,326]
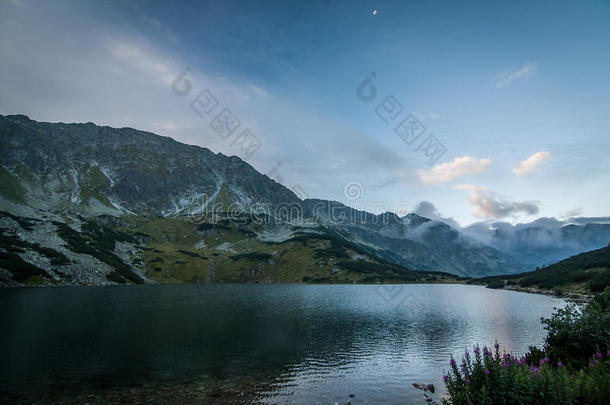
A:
[586,272]
[545,240]
[67,182]
[417,242]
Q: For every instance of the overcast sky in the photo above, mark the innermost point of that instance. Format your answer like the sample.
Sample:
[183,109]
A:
[516,95]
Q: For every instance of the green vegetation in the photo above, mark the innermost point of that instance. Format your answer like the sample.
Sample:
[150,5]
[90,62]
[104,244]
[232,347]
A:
[92,184]
[20,269]
[192,254]
[10,187]
[57,258]
[572,368]
[379,271]
[211,227]
[25,223]
[496,284]
[16,245]
[335,250]
[176,250]
[576,332]
[230,251]
[99,241]
[253,256]
[586,272]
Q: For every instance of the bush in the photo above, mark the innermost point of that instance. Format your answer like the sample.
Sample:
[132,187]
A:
[600,281]
[577,332]
[253,256]
[494,378]
[20,269]
[573,368]
[495,284]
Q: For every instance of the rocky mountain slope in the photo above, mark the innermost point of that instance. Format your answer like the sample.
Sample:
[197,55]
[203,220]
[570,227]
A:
[88,204]
[94,170]
[73,250]
[415,241]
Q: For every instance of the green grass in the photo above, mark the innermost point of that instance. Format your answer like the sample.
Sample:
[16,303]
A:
[253,256]
[169,255]
[10,187]
[92,184]
[192,254]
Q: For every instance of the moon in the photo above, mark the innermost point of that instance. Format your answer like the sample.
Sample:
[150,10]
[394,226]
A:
[375,12]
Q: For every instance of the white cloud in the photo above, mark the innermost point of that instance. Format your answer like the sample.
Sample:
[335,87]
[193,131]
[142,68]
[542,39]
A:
[427,210]
[529,165]
[458,167]
[488,204]
[507,77]
[573,213]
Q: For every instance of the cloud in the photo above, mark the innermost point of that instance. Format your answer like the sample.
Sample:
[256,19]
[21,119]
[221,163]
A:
[18,3]
[507,77]
[488,204]
[576,212]
[529,165]
[458,167]
[427,210]
[99,71]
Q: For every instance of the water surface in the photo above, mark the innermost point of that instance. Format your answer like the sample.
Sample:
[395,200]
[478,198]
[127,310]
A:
[301,344]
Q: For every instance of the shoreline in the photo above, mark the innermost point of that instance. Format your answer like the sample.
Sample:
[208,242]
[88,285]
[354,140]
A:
[572,295]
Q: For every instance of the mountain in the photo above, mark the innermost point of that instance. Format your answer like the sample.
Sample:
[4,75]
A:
[94,170]
[415,241]
[83,204]
[122,205]
[545,240]
[586,272]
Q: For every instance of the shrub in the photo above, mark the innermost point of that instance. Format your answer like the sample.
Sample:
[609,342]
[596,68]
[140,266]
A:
[573,368]
[192,254]
[495,284]
[600,281]
[489,377]
[253,256]
[576,332]
[20,269]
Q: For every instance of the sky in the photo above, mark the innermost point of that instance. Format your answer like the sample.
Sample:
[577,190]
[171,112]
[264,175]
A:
[483,111]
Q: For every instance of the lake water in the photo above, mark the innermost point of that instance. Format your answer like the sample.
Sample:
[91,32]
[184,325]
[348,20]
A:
[301,344]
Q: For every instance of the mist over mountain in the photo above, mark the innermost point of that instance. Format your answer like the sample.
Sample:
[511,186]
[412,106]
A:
[545,240]
[540,242]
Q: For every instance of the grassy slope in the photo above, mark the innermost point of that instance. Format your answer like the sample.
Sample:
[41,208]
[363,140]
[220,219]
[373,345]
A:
[234,254]
[10,187]
[583,273]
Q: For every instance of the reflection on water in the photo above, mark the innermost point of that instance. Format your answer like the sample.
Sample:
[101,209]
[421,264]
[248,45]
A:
[309,343]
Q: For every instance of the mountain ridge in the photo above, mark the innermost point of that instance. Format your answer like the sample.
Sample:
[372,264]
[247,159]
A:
[76,172]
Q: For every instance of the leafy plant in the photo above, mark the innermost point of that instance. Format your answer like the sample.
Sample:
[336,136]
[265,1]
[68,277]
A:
[489,377]
[577,332]
[573,367]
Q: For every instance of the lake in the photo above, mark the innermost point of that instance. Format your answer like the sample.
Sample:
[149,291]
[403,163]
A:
[274,343]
